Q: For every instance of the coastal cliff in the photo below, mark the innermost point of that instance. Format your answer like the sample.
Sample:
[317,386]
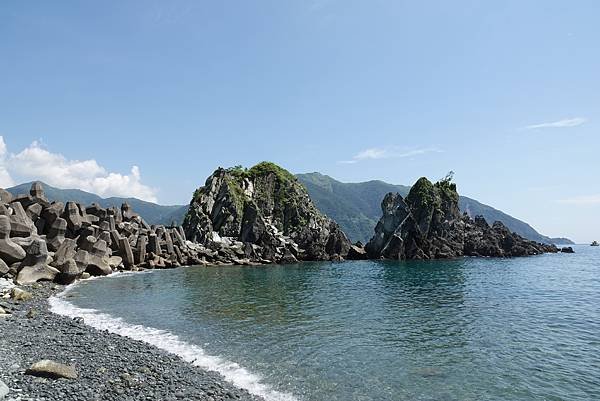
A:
[267,212]
[428,224]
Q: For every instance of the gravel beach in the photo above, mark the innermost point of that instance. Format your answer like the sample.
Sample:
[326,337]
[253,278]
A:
[109,367]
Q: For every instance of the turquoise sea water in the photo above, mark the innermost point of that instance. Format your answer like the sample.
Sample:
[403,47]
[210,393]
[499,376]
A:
[466,329]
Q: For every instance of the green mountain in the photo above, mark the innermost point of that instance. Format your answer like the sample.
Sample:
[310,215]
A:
[356,207]
[151,212]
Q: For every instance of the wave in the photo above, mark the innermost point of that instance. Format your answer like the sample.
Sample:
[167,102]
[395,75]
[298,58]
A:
[167,341]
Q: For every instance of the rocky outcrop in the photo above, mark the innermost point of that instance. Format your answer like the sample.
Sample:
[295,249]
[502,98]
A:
[62,242]
[265,213]
[428,225]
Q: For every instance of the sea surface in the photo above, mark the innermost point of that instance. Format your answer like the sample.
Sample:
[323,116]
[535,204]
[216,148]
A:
[465,329]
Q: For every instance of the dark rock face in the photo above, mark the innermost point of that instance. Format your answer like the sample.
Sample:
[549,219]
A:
[267,212]
[428,225]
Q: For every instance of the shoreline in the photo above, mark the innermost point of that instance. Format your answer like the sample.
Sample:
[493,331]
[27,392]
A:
[109,366]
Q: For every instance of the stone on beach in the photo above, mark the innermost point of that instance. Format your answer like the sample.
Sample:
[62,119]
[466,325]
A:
[68,272]
[66,250]
[52,212]
[9,251]
[34,267]
[52,370]
[115,261]
[126,253]
[140,256]
[71,215]
[34,211]
[56,234]
[18,294]
[5,196]
[20,224]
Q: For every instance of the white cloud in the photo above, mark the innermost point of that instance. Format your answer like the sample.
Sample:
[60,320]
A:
[568,122]
[37,163]
[582,200]
[387,153]
[5,178]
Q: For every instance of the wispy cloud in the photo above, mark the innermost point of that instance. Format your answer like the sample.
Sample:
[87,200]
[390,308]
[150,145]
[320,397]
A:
[565,123]
[387,153]
[582,200]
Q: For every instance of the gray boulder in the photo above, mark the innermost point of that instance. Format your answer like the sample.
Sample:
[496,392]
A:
[9,251]
[20,224]
[126,253]
[127,212]
[34,211]
[52,370]
[68,272]
[34,267]
[115,261]
[52,212]
[18,294]
[98,260]
[71,215]
[5,196]
[65,251]
[82,259]
[56,234]
[37,190]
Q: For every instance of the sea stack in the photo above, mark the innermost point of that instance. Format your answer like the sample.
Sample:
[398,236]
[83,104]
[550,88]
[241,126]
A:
[267,210]
[427,224]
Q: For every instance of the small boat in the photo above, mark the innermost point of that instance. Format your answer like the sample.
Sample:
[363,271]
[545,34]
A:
[595,243]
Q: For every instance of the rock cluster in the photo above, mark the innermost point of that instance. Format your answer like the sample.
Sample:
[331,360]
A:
[268,214]
[40,240]
[428,225]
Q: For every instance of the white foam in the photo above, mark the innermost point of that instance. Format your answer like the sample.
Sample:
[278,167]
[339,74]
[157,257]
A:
[231,371]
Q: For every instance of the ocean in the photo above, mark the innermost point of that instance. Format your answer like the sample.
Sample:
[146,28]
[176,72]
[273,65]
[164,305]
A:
[465,329]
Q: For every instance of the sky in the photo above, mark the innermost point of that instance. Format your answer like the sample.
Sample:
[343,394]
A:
[147,98]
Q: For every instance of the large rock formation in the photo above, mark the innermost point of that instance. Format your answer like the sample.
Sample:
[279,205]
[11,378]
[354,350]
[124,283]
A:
[40,240]
[267,212]
[428,225]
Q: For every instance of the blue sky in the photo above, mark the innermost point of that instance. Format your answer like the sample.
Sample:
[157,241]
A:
[506,94]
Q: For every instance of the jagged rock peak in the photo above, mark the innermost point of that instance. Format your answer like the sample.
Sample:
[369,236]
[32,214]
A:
[267,207]
[428,225]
